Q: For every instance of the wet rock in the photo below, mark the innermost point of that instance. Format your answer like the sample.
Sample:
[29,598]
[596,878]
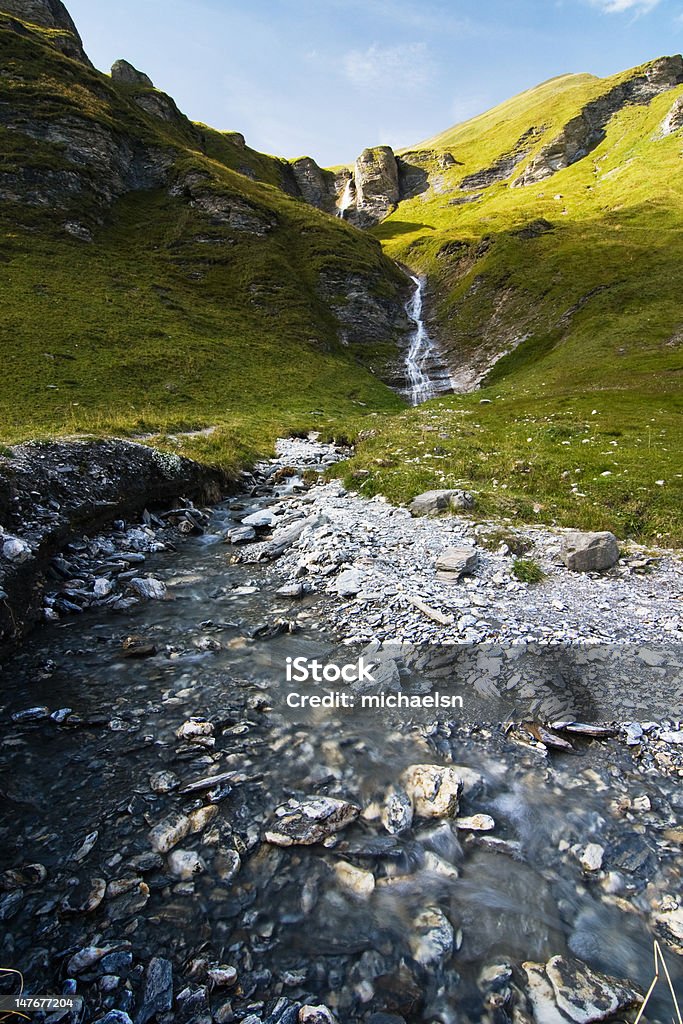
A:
[223,976]
[20,878]
[202,817]
[590,552]
[31,714]
[148,588]
[114,1017]
[568,989]
[457,562]
[316,1015]
[102,588]
[10,904]
[146,862]
[163,782]
[476,823]
[84,848]
[138,647]
[85,897]
[432,503]
[295,591]
[16,550]
[86,958]
[185,864]
[241,535]
[355,880]
[169,832]
[158,992]
[431,940]
[310,820]
[670,925]
[397,812]
[591,857]
[433,789]
[196,730]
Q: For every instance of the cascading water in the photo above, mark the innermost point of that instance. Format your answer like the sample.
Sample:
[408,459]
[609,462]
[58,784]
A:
[348,198]
[426,373]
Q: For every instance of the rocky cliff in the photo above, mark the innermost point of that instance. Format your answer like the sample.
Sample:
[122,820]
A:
[583,133]
[50,14]
[155,271]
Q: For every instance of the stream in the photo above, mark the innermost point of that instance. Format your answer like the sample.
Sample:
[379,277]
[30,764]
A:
[107,757]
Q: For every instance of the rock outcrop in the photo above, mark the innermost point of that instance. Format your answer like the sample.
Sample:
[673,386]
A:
[50,14]
[122,71]
[315,186]
[363,314]
[377,188]
[504,165]
[585,132]
[673,121]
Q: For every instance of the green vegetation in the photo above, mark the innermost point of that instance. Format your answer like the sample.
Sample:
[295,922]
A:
[527,570]
[578,279]
[177,318]
[174,318]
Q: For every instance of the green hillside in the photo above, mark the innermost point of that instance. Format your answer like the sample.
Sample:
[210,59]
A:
[577,278]
[156,278]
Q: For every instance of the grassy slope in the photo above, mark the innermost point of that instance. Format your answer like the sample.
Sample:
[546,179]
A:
[539,451]
[168,322]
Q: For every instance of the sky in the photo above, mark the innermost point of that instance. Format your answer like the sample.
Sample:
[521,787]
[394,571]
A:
[326,78]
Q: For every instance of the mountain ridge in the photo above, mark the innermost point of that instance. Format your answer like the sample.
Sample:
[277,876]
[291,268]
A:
[142,247]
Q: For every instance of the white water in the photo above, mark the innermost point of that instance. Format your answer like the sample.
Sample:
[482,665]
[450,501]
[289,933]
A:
[348,198]
[426,373]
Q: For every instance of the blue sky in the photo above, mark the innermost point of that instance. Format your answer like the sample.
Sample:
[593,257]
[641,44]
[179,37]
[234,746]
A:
[329,77]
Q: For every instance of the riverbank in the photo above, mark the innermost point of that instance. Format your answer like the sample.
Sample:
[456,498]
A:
[228,861]
[51,490]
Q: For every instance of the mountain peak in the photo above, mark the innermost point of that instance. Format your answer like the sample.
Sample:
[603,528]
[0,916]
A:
[50,14]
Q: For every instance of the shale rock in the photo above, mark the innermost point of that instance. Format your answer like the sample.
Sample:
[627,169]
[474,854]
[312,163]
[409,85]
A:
[310,820]
[457,562]
[566,989]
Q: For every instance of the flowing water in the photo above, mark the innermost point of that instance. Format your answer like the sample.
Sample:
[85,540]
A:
[283,917]
[426,372]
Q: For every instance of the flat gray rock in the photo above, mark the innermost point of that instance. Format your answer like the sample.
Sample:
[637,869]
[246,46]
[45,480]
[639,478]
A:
[590,552]
[432,503]
[458,561]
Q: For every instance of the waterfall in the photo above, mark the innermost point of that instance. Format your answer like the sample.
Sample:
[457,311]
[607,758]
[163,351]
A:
[348,198]
[426,372]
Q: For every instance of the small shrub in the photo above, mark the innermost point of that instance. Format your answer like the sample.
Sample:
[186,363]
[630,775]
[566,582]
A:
[526,570]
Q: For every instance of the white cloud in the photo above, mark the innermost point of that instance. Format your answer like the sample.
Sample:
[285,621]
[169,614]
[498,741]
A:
[393,67]
[623,6]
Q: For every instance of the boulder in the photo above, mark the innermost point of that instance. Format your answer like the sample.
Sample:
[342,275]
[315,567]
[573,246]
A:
[310,820]
[433,789]
[122,71]
[431,503]
[457,562]
[590,552]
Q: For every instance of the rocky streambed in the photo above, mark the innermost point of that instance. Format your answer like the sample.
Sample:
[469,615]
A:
[180,844]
